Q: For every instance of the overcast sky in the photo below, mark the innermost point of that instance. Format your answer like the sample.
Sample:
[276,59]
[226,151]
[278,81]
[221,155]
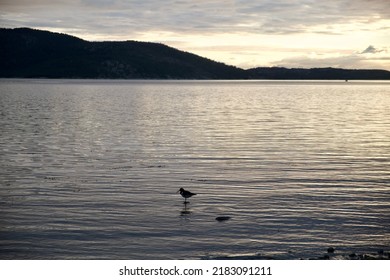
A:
[245,33]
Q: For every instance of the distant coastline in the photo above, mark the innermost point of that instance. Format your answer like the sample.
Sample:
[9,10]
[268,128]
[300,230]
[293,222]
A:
[30,53]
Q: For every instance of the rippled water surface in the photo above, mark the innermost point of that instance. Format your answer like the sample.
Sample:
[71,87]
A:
[90,169]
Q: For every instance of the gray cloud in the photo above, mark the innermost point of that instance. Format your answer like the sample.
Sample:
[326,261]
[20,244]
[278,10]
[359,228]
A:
[371,49]
[355,60]
[268,16]
[137,19]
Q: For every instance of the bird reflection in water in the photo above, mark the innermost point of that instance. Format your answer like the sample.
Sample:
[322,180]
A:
[186,210]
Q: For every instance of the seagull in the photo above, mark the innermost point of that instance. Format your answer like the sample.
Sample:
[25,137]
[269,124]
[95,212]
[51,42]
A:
[185,194]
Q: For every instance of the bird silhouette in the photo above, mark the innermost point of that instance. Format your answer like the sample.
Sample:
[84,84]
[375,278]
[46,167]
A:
[185,194]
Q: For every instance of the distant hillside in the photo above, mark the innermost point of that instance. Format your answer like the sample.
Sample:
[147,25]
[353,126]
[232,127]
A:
[29,53]
[32,53]
[281,73]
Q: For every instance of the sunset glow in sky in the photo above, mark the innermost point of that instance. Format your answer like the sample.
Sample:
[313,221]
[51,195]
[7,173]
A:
[296,33]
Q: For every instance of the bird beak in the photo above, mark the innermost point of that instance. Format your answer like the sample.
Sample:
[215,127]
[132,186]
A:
[178,191]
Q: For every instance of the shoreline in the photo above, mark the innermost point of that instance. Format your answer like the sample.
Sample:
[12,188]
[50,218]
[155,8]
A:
[329,254]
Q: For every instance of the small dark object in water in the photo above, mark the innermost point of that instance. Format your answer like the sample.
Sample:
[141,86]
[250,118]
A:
[331,250]
[222,218]
[324,257]
[185,212]
[353,256]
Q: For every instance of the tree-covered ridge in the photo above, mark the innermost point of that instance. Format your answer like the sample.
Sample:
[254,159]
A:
[32,54]
[29,53]
[318,74]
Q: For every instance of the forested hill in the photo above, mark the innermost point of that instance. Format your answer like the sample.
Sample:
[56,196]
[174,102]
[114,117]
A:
[29,53]
[32,53]
[281,73]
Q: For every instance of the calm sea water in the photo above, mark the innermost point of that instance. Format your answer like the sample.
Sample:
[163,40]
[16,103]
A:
[90,169]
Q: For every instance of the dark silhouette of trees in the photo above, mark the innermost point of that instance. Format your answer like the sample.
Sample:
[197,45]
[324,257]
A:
[29,53]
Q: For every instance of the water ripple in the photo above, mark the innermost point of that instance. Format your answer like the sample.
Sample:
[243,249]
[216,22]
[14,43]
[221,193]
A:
[90,170]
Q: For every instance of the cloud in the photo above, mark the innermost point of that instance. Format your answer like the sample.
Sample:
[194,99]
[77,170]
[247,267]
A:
[371,57]
[371,49]
[188,24]
[267,16]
